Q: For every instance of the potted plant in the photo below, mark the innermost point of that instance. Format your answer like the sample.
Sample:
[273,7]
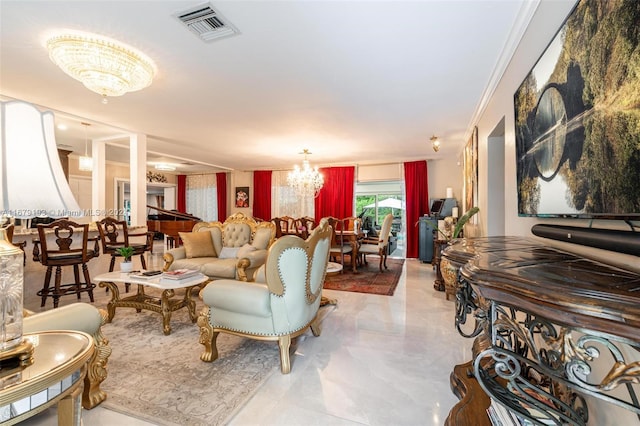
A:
[464,219]
[459,225]
[126,253]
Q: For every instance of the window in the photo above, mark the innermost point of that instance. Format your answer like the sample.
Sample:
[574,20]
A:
[284,200]
[202,199]
[375,200]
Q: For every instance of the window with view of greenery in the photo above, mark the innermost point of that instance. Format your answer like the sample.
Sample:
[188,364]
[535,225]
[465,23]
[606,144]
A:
[374,208]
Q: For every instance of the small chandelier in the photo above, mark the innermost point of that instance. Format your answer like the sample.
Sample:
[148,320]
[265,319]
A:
[436,143]
[85,162]
[305,181]
[103,65]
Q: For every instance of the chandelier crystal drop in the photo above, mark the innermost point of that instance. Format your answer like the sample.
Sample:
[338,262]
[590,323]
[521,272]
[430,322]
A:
[306,181]
[103,65]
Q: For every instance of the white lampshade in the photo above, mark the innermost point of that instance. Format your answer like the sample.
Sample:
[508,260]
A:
[31,176]
[85,163]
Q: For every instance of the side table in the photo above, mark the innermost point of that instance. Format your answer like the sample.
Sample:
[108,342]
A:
[55,377]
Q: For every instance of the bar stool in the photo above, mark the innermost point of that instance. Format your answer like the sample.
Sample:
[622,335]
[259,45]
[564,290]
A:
[64,243]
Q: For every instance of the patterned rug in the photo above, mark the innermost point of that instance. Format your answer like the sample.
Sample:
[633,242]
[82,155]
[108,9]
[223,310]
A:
[368,279]
[161,379]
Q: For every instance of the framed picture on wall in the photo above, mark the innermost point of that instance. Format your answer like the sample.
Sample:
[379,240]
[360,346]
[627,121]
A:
[471,171]
[242,196]
[577,118]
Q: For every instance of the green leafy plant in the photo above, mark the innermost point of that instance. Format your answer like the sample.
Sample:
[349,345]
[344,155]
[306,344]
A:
[459,224]
[125,252]
[464,219]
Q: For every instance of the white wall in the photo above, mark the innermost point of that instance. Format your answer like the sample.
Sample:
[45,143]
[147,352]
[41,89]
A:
[548,18]
[81,190]
[445,173]
[239,179]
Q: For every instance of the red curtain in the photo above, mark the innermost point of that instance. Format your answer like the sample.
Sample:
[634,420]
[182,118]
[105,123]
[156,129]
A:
[336,196]
[221,189]
[182,193]
[417,201]
[262,194]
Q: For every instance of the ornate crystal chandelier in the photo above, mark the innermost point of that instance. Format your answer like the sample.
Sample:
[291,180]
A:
[103,65]
[306,181]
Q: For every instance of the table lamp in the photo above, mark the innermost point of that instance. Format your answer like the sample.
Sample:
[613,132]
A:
[26,136]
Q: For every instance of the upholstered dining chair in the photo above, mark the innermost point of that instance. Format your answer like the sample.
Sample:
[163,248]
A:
[287,225]
[303,226]
[339,245]
[64,243]
[353,224]
[380,245]
[281,308]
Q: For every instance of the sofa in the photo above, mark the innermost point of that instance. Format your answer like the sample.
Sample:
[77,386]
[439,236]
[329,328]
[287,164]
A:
[78,317]
[234,249]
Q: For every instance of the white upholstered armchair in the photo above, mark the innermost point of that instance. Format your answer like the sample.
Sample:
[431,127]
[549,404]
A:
[380,245]
[281,308]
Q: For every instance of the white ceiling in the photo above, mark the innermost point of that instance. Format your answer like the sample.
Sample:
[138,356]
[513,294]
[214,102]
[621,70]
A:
[355,82]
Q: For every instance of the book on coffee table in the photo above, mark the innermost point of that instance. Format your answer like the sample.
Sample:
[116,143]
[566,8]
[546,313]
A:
[179,274]
[145,275]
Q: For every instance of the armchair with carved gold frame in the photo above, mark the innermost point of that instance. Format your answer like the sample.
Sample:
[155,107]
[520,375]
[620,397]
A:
[281,308]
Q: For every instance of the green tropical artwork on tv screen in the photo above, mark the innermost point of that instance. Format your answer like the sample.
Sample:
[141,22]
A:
[578,117]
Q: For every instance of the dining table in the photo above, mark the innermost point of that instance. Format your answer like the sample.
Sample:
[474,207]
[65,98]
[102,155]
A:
[353,238]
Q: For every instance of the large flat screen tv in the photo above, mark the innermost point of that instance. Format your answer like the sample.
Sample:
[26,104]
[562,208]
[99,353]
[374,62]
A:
[577,118]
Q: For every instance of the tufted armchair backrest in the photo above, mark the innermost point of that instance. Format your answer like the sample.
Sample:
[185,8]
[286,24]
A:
[385,230]
[236,234]
[295,272]
[238,230]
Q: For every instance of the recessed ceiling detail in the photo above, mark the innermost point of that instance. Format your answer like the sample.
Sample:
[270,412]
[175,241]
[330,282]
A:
[207,23]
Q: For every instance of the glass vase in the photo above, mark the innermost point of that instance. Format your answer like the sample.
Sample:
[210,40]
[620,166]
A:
[11,284]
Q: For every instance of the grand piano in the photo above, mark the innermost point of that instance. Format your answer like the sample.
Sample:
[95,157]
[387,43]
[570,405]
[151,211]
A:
[170,222]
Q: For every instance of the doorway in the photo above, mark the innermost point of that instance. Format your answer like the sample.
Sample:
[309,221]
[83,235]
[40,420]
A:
[162,195]
[376,200]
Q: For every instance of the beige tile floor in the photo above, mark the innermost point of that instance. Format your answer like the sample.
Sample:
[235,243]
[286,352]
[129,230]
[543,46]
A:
[380,360]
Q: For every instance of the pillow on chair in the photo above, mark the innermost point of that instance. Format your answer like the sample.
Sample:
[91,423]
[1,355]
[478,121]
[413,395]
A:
[197,244]
[229,252]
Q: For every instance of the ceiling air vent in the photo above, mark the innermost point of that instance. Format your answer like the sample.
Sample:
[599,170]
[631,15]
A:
[207,23]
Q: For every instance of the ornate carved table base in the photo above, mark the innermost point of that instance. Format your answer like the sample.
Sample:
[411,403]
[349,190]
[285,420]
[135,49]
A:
[550,322]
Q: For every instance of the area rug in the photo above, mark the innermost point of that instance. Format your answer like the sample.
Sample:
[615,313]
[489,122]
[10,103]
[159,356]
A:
[368,279]
[162,380]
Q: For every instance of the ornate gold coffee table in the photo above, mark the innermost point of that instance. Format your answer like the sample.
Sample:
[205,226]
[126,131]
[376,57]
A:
[164,305]
[55,377]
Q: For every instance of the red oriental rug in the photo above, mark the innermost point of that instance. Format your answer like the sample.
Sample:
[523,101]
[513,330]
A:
[368,279]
